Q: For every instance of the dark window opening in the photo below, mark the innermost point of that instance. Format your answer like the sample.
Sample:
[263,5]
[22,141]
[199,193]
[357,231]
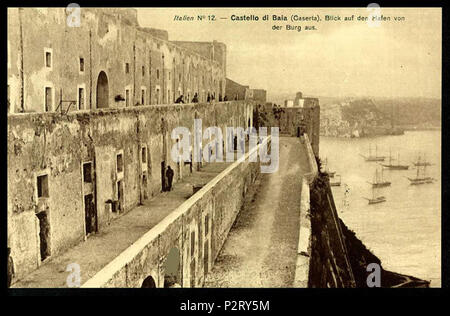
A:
[102,90]
[90,214]
[157,97]
[127,68]
[142,96]
[119,163]
[143,71]
[127,97]
[192,243]
[149,282]
[44,235]
[48,99]
[87,172]
[81,64]
[157,73]
[144,155]
[42,186]
[80,98]
[48,59]
[206,224]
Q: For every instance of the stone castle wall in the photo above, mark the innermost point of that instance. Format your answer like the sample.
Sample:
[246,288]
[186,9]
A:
[108,60]
[78,157]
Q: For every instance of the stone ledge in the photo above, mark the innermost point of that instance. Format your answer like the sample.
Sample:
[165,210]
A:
[304,243]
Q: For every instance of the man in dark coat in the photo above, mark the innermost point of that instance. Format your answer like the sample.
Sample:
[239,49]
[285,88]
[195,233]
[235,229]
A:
[180,99]
[169,175]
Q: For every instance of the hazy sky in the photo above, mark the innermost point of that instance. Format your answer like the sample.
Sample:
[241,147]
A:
[338,59]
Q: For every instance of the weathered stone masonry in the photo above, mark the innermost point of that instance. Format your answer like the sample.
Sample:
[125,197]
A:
[69,175]
[106,61]
[183,247]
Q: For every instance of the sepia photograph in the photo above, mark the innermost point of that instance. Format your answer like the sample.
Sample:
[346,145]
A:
[223,147]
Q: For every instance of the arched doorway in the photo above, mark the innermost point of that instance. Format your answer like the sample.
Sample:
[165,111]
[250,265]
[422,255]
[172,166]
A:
[102,90]
[149,282]
[172,269]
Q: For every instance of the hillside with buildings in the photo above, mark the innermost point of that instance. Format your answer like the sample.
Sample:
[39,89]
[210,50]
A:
[378,116]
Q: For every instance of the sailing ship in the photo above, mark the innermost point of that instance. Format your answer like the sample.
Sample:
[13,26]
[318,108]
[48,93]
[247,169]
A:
[337,182]
[419,162]
[379,182]
[421,179]
[376,199]
[375,157]
[397,166]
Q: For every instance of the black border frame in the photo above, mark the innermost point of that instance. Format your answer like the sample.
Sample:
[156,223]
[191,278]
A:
[280,299]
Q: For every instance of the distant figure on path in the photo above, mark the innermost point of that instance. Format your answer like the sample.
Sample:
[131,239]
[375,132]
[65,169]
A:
[225,98]
[208,99]
[169,175]
[195,98]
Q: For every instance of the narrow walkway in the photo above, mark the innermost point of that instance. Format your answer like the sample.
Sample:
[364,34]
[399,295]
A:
[261,248]
[99,249]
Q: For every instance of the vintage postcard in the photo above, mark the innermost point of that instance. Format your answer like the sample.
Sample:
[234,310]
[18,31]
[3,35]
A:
[224,148]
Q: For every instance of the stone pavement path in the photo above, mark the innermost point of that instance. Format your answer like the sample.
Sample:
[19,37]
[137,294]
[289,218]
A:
[261,248]
[99,249]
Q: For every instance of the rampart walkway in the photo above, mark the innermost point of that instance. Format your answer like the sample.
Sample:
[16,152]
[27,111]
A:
[261,248]
[99,249]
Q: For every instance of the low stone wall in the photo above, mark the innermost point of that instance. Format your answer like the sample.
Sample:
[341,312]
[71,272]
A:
[304,240]
[311,159]
[304,243]
[183,246]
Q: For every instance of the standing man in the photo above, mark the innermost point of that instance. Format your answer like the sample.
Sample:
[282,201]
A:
[169,175]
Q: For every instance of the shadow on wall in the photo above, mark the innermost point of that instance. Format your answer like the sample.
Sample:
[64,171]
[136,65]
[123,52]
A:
[172,276]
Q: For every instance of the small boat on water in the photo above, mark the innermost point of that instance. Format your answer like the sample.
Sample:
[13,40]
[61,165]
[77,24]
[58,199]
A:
[420,163]
[379,182]
[421,179]
[336,182]
[375,157]
[376,199]
[397,166]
